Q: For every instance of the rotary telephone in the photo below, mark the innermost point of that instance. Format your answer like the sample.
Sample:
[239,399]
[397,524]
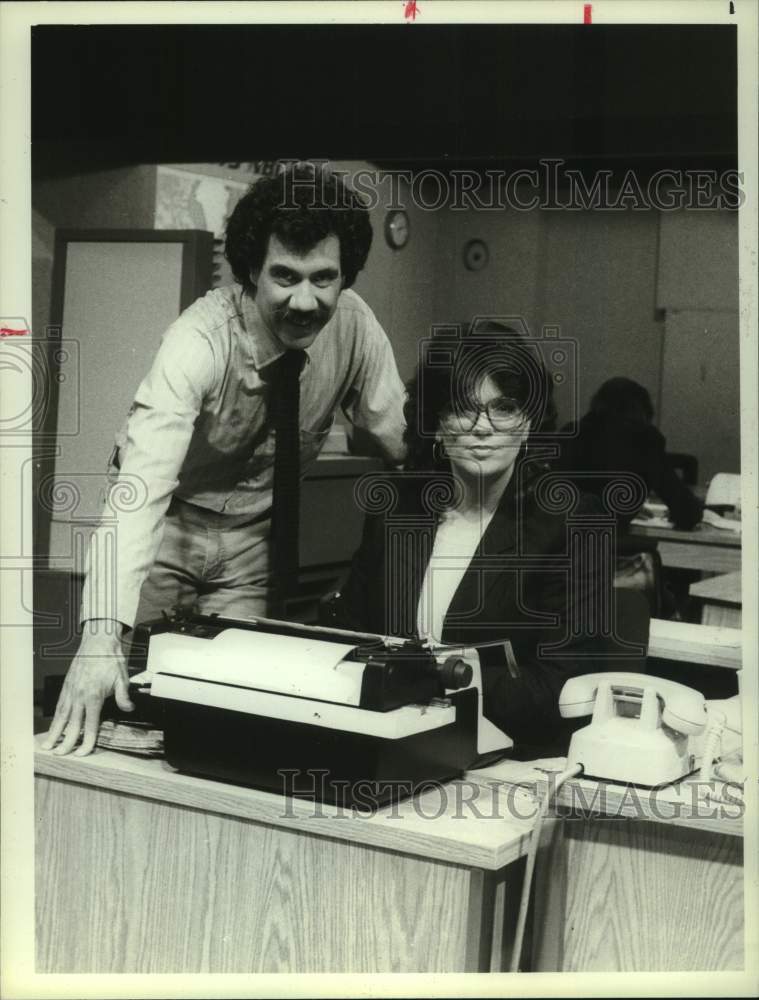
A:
[640,728]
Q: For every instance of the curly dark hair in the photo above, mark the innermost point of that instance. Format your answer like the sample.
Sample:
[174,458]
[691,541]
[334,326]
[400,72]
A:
[302,205]
[495,350]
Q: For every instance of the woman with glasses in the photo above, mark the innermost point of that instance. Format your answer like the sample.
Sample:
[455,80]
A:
[471,544]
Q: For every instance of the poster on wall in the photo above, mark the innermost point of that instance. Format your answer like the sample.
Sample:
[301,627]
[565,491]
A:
[203,196]
[191,197]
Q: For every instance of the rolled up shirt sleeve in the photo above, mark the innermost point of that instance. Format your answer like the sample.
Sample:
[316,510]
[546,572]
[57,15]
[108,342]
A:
[157,436]
[374,403]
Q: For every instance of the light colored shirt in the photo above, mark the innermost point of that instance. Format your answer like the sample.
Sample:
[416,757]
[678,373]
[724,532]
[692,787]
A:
[456,541]
[198,427]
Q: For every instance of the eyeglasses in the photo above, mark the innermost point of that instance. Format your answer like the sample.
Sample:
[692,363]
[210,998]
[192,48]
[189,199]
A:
[504,414]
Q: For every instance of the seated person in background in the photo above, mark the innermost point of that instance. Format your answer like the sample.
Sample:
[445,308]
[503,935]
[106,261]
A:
[617,435]
[471,549]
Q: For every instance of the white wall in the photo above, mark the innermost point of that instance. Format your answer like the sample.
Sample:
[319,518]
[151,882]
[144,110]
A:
[399,285]
[603,277]
[594,274]
[591,274]
[700,376]
[597,283]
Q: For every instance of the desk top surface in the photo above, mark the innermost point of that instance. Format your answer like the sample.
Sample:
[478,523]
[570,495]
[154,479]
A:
[483,821]
[437,824]
[702,534]
[689,802]
[712,645]
[725,588]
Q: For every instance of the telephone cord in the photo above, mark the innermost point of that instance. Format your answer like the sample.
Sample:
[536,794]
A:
[711,755]
[524,902]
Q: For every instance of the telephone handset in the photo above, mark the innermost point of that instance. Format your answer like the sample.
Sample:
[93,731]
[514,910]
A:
[639,730]
[683,708]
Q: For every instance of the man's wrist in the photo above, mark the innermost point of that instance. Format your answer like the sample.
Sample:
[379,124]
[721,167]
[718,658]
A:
[103,628]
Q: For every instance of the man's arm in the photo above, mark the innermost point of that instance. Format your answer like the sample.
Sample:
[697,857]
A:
[121,553]
[374,404]
[98,669]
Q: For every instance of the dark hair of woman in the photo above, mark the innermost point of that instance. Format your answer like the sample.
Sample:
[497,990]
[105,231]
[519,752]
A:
[623,398]
[301,206]
[449,376]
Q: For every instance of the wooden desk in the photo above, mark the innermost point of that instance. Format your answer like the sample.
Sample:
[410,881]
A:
[711,550]
[702,534]
[710,645]
[707,558]
[660,891]
[143,869]
[721,599]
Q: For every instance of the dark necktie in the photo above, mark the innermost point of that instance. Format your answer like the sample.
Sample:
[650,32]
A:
[285,414]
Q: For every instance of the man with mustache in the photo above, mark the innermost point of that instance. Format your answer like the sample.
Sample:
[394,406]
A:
[199,439]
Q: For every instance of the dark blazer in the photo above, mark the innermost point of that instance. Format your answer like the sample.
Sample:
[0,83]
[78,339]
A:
[527,583]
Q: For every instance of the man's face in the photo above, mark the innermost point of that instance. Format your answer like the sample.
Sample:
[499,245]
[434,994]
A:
[297,294]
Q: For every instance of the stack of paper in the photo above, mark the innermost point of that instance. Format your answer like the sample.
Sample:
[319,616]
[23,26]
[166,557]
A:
[652,522]
[131,737]
[653,515]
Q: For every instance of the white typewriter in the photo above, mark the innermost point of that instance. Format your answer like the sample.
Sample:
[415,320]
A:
[308,711]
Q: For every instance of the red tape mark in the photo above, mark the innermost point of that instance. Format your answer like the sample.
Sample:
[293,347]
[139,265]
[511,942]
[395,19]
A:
[587,13]
[6,331]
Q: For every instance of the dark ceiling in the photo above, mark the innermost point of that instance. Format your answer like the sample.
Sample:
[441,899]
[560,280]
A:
[485,95]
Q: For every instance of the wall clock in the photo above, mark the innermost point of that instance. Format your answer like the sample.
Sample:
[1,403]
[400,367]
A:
[397,229]
[476,255]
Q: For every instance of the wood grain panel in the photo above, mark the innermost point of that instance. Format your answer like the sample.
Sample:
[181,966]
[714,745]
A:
[639,896]
[549,899]
[128,885]
[432,825]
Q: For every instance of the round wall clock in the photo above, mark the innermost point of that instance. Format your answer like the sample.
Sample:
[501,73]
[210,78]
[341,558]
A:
[397,229]
[476,255]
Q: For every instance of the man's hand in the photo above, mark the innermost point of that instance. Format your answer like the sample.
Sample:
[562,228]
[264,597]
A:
[98,669]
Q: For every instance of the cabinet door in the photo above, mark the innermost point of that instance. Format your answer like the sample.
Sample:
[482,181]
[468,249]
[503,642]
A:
[114,294]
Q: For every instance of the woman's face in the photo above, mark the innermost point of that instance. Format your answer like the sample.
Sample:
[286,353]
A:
[484,439]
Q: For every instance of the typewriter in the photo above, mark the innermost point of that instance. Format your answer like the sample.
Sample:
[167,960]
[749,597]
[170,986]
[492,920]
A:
[321,713]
